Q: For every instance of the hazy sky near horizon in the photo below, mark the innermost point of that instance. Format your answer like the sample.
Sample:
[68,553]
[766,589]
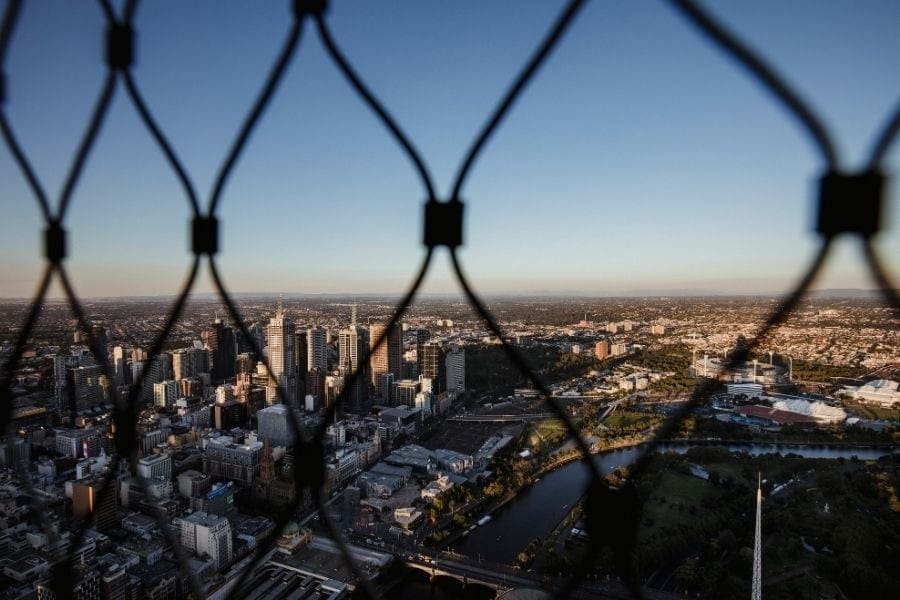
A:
[640,158]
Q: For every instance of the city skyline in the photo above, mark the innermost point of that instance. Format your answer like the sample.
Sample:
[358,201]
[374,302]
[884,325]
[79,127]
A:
[639,158]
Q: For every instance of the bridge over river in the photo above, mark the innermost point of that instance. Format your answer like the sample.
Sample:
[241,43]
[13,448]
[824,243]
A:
[504,577]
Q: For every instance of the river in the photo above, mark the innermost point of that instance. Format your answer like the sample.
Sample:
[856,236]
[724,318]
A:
[536,510]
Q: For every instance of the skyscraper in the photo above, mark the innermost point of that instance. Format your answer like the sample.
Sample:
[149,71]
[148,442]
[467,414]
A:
[353,345]
[422,336]
[456,369]
[281,360]
[301,352]
[316,350]
[101,340]
[433,366]
[222,350]
[388,358]
[119,365]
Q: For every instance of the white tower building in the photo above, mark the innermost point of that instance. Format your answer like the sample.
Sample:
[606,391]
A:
[281,358]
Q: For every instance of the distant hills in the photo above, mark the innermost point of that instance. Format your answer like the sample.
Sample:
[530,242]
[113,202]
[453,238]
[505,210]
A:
[837,293]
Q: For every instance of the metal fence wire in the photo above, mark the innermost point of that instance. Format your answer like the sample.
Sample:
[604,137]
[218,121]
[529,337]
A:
[849,202]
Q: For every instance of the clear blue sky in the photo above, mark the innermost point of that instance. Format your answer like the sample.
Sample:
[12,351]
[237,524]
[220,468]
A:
[639,158]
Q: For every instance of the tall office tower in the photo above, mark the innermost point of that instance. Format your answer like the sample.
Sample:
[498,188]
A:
[281,360]
[353,345]
[119,365]
[316,349]
[386,359]
[202,533]
[456,369]
[222,350]
[433,366]
[422,336]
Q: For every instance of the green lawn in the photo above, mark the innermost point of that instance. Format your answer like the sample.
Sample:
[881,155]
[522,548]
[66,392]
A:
[673,498]
[623,419]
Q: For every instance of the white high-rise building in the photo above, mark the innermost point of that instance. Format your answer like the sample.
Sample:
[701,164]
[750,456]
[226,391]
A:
[202,533]
[281,359]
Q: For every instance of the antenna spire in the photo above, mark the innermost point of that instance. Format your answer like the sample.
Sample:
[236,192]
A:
[756,593]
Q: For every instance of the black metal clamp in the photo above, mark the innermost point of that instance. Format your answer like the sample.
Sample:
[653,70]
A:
[443,223]
[850,203]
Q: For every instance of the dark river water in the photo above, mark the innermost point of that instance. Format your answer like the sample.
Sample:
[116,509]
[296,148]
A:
[540,507]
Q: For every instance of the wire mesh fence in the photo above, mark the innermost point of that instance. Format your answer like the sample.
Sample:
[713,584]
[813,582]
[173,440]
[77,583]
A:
[849,202]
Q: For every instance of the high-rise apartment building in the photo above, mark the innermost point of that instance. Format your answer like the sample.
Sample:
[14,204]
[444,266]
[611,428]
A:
[601,350]
[388,358]
[281,360]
